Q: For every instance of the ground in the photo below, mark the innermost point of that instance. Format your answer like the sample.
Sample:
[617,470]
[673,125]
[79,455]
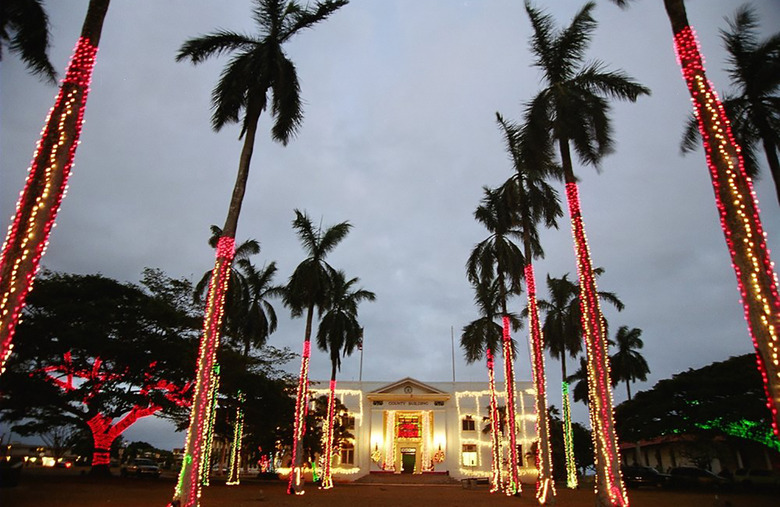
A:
[56,487]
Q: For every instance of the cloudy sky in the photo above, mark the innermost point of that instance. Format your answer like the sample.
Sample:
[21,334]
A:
[399,137]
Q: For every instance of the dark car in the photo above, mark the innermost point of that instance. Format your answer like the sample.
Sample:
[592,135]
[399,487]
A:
[756,478]
[637,476]
[693,477]
[141,467]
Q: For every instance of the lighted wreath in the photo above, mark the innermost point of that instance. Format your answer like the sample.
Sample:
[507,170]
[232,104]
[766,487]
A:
[376,456]
[438,456]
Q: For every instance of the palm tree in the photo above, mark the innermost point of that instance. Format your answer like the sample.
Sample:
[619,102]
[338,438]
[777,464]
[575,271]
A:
[485,334]
[24,28]
[628,364]
[499,259]
[737,207]
[580,381]
[259,74]
[754,68]
[309,287]
[573,110]
[339,333]
[535,201]
[47,178]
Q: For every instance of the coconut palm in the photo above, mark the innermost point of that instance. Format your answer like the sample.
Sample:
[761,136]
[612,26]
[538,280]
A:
[309,287]
[573,111]
[339,333]
[535,201]
[24,28]
[498,258]
[628,364]
[579,379]
[259,75]
[737,207]
[754,108]
[47,179]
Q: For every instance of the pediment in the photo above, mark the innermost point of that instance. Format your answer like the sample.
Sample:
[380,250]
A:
[408,388]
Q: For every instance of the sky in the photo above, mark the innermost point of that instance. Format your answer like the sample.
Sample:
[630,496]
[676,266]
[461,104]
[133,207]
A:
[399,137]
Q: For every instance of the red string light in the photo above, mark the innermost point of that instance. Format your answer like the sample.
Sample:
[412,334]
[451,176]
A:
[513,480]
[327,479]
[495,470]
[295,485]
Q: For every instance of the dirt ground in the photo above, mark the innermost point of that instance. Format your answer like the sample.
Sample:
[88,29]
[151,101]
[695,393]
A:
[53,487]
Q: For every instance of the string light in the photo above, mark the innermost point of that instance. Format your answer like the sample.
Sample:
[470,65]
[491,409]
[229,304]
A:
[46,185]
[327,479]
[389,463]
[739,217]
[495,437]
[206,468]
[568,439]
[235,450]
[295,485]
[513,479]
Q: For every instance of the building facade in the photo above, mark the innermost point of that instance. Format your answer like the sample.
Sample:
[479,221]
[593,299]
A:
[420,428]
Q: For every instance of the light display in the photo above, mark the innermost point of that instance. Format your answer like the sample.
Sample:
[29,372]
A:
[426,463]
[605,445]
[46,185]
[188,488]
[295,485]
[205,472]
[327,454]
[389,452]
[495,433]
[545,485]
[568,439]
[235,450]
[513,479]
[739,218]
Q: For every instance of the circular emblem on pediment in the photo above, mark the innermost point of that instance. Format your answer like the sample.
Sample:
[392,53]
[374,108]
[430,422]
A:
[408,389]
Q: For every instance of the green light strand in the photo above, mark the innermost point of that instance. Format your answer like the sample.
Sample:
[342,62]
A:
[235,451]
[205,469]
[568,440]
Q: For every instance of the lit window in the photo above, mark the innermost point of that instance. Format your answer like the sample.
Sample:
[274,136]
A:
[468,424]
[469,455]
[347,453]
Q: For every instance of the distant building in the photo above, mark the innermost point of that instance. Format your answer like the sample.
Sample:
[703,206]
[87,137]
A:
[427,428]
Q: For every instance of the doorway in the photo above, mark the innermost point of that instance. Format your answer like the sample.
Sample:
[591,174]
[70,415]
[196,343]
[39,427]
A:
[408,459]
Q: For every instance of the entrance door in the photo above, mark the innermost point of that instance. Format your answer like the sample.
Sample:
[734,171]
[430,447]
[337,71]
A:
[407,462]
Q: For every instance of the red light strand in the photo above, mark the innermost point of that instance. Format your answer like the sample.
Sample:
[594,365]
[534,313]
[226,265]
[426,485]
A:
[513,484]
[495,430]
[295,485]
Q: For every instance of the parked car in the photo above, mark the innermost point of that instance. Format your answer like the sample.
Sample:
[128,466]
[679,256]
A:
[693,477]
[637,476]
[753,478]
[141,467]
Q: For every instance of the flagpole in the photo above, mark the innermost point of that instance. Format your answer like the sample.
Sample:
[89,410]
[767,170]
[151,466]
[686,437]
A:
[360,378]
[452,339]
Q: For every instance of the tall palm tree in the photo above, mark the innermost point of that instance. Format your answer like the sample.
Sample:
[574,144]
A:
[498,258]
[47,179]
[535,201]
[573,110]
[754,69]
[24,28]
[309,287]
[339,333]
[485,334]
[737,207]
[259,75]
[628,364]
[579,379]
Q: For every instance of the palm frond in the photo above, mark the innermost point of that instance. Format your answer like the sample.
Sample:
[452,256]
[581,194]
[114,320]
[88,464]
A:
[199,49]
[286,103]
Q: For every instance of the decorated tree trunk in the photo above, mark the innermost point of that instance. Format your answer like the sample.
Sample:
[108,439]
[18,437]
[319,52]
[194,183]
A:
[295,484]
[327,448]
[568,438]
[47,180]
[235,449]
[738,210]
[513,480]
[495,427]
[205,472]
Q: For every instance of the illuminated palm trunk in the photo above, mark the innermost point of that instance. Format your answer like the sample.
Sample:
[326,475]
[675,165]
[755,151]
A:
[47,180]
[738,210]
[513,479]
[188,489]
[295,484]
[235,449]
[495,427]
[205,472]
[327,479]
[609,483]
[568,438]
[545,487]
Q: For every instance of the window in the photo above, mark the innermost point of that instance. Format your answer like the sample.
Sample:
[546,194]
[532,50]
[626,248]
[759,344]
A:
[468,424]
[348,422]
[347,453]
[469,455]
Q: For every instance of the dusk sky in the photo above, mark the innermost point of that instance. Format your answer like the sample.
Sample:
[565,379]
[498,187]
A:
[399,137]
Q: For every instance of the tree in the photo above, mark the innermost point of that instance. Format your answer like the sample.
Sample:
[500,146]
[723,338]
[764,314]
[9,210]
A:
[628,364]
[339,333]
[259,75]
[98,354]
[309,287]
[24,28]
[573,110]
[754,69]
[535,201]
[582,448]
[579,379]
[497,258]
[47,180]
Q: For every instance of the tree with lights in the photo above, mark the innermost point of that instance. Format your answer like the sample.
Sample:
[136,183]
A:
[24,28]
[573,111]
[628,364]
[497,258]
[259,75]
[47,179]
[737,208]
[309,287]
[99,355]
[536,201]
[485,334]
[339,333]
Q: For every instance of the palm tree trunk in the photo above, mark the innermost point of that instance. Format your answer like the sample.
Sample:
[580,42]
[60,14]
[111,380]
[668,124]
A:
[327,480]
[572,482]
[628,390]
[513,487]
[235,450]
[47,180]
[495,426]
[739,217]
[295,485]
[609,483]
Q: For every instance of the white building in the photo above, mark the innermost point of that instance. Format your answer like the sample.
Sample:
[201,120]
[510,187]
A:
[422,428]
